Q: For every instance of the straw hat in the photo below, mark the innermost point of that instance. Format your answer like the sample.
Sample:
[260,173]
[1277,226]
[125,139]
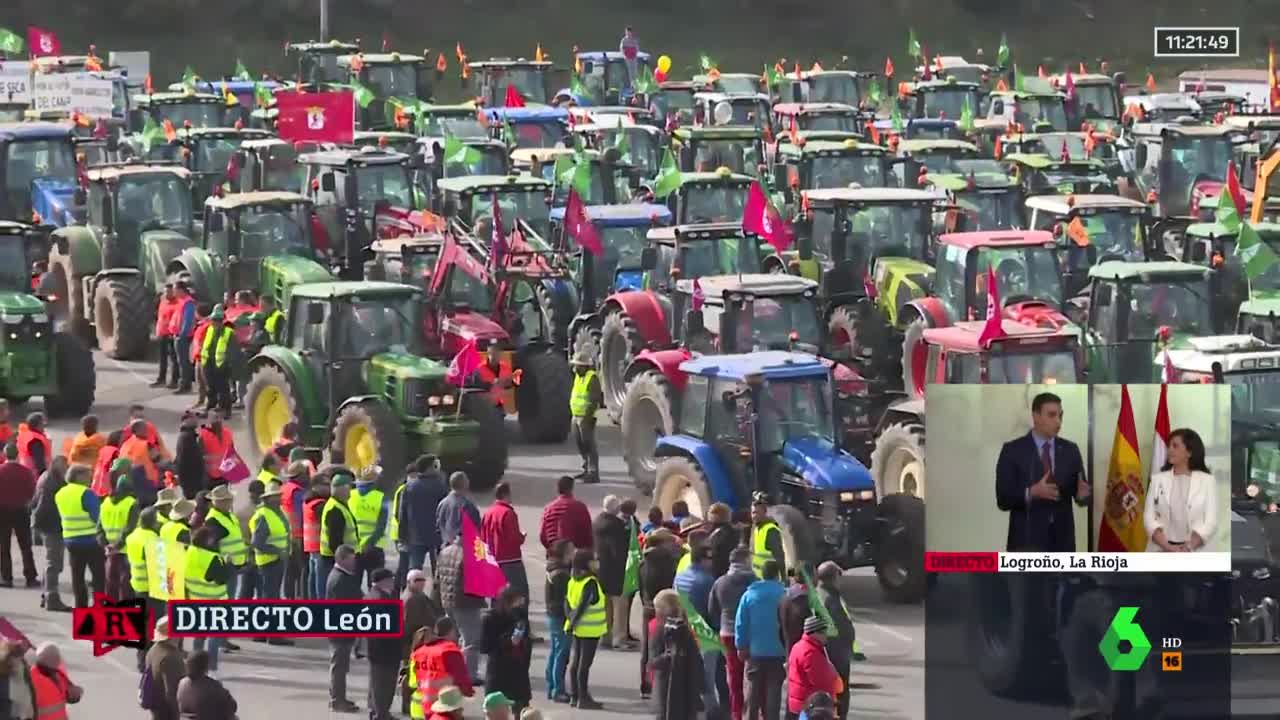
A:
[182,510]
[168,496]
[274,489]
[582,358]
[448,700]
[221,492]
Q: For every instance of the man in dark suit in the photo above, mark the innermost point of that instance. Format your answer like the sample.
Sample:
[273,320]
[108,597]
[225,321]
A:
[1037,476]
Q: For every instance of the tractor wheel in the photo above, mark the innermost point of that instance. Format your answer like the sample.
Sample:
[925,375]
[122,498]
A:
[897,462]
[915,354]
[122,316]
[488,465]
[555,316]
[542,397]
[587,338]
[77,379]
[620,341]
[900,549]
[368,433]
[680,478]
[67,309]
[271,402]
[1013,635]
[798,543]
[646,416]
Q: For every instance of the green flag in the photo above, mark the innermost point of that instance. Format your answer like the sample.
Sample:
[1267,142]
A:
[1257,256]
[151,133]
[896,118]
[189,79]
[457,152]
[631,576]
[645,83]
[562,171]
[966,116]
[1002,55]
[508,132]
[669,179]
[913,45]
[1019,81]
[706,63]
[581,178]
[242,72]
[577,89]
[873,92]
[708,639]
[1225,214]
[620,143]
[364,96]
[816,605]
[10,42]
[261,95]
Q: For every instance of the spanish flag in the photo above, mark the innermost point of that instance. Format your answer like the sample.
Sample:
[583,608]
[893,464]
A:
[1122,529]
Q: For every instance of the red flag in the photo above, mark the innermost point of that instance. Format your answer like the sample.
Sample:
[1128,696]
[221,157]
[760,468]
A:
[1151,82]
[762,218]
[580,227]
[994,329]
[1040,72]
[481,575]
[41,42]
[463,364]
[1233,189]
[233,467]
[1070,87]
[1160,447]
[888,67]
[699,297]
[327,117]
[513,99]
[1273,82]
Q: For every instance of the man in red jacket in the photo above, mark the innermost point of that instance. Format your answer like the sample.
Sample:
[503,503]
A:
[500,529]
[566,517]
[808,668]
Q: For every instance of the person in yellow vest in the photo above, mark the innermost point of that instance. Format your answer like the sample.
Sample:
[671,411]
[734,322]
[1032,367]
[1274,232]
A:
[766,536]
[372,512]
[585,622]
[78,510]
[584,401]
[178,529]
[135,548]
[269,533]
[271,323]
[207,578]
[337,523]
[215,355]
[164,503]
[51,689]
[269,471]
[118,518]
[229,534]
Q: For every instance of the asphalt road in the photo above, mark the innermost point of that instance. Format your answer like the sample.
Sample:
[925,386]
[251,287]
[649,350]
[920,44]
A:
[271,681]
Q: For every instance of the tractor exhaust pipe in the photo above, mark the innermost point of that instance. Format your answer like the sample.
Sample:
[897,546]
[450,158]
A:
[324,20]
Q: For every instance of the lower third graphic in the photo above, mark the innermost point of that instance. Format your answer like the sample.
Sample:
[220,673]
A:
[110,624]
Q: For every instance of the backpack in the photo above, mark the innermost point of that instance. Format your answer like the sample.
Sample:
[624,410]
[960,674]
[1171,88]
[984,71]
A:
[148,694]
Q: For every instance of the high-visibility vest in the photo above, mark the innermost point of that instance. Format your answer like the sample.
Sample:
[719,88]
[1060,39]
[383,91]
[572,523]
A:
[434,676]
[115,518]
[350,534]
[135,548]
[175,321]
[272,325]
[215,448]
[393,522]
[277,533]
[593,622]
[198,586]
[286,502]
[685,561]
[502,397]
[416,709]
[267,477]
[232,546]
[760,553]
[172,529]
[580,398]
[50,695]
[26,436]
[215,345]
[311,524]
[102,471]
[366,507]
[76,521]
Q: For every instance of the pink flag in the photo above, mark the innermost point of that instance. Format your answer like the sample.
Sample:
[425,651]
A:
[699,297]
[41,42]
[580,227]
[233,467]
[463,364]
[760,217]
[481,575]
[1160,447]
[513,99]
[1233,190]
[1168,374]
[994,329]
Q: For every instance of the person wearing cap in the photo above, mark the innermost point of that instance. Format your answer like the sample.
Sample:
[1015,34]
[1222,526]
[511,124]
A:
[119,516]
[215,356]
[292,496]
[766,536]
[269,531]
[757,635]
[842,648]
[164,659]
[809,670]
[51,688]
[35,450]
[448,706]
[228,534]
[371,510]
[178,529]
[498,706]
[585,399]
[384,653]
[337,523]
[78,511]
[312,508]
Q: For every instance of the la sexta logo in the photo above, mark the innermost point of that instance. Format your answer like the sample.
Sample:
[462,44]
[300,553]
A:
[110,624]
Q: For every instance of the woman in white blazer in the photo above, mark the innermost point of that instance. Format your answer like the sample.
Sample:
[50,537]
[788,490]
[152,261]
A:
[1181,513]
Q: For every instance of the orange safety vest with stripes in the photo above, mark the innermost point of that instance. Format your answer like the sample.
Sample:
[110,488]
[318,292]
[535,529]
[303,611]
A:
[26,436]
[432,670]
[215,448]
[50,694]
[311,524]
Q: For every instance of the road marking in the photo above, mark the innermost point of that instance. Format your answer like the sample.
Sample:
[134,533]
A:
[886,630]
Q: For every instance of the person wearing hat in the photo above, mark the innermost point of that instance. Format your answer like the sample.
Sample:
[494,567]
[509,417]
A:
[384,653]
[497,706]
[79,510]
[448,706]
[292,496]
[585,400]
[229,536]
[312,508]
[269,533]
[371,510]
[178,529]
[164,503]
[809,670]
[165,661]
[766,536]
[50,686]
[119,517]
[337,523]
[215,354]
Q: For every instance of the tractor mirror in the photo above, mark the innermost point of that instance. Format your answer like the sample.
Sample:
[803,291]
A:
[327,183]
[693,323]
[315,314]
[108,208]
[649,258]
[729,399]
[80,197]
[1118,79]
[217,223]
[997,107]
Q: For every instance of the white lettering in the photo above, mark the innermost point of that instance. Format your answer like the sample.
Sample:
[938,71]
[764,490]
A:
[184,619]
[301,625]
[1022,564]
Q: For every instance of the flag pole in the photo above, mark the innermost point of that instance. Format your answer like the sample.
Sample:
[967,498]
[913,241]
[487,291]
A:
[324,20]
[1089,465]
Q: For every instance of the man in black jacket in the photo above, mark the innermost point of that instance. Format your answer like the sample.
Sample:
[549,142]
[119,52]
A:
[726,593]
[657,573]
[841,649]
[47,522]
[189,458]
[384,653]
[416,514]
[724,537]
[343,583]
[611,546]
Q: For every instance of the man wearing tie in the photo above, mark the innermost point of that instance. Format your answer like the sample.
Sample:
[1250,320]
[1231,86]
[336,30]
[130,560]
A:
[1037,476]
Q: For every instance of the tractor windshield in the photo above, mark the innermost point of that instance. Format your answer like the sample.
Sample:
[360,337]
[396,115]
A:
[1255,392]
[387,182]
[793,409]
[893,230]
[1052,145]
[1264,467]
[642,150]
[737,85]
[15,269]
[213,154]
[721,256]
[1192,158]
[740,156]
[828,122]
[529,82]
[160,200]
[835,88]
[528,205]
[713,202]
[1026,368]
[1115,233]
[838,171]
[1022,273]
[464,126]
[467,292]
[773,320]
[281,170]
[267,230]
[199,114]
[374,325]
[1183,307]
[677,102]
[622,249]
[939,160]
[1097,102]
[1034,111]
[544,134]
[992,209]
[949,102]
[320,66]
[489,160]
[31,159]
[393,80]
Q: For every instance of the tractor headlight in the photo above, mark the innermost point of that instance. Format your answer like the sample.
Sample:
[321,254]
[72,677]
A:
[447,400]
[8,319]
[859,496]
[433,401]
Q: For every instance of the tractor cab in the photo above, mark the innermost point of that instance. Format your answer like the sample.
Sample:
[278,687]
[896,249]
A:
[817,121]
[639,146]
[1264,129]
[612,182]
[1090,229]
[692,251]
[673,103]
[1213,104]
[623,231]
[438,121]
[981,195]
[1024,355]
[732,83]
[720,110]
[395,141]
[532,79]
[916,157]
[528,127]
[1163,108]
[828,164]
[38,172]
[705,149]
[608,77]
[470,156]
[1136,309]
[945,99]
[245,92]
[1213,246]
[1251,366]
[22,247]
[386,75]
[1181,165]
[1097,99]
[91,151]
[470,200]
[746,313]
[1086,144]
[206,152]
[1045,175]
[919,129]
[843,87]
[946,67]
[180,109]
[318,61]
[269,164]
[1036,111]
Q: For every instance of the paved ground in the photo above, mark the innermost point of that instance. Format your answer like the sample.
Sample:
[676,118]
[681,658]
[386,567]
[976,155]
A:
[269,681]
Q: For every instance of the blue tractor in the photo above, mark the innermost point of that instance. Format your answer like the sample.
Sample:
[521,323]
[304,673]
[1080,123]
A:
[533,127]
[38,174]
[765,422]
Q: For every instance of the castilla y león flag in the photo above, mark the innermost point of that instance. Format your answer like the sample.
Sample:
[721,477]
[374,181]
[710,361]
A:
[1122,529]
[328,117]
[481,575]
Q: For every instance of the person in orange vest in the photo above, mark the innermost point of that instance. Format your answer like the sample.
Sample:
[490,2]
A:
[169,305]
[140,453]
[439,664]
[495,374]
[152,436]
[215,441]
[107,455]
[292,497]
[83,449]
[202,323]
[52,689]
[182,325]
[312,506]
[288,440]
[35,450]
[6,432]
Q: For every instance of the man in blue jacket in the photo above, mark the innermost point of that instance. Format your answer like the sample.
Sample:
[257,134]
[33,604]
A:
[416,515]
[758,636]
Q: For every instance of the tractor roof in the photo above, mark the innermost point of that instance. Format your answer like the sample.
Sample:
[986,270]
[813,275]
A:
[948,84]
[1064,204]
[1217,230]
[107,173]
[1261,122]
[705,231]
[772,364]
[814,108]
[526,115]
[223,132]
[341,289]
[768,284]
[335,46]
[525,156]
[353,156]
[678,85]
[593,127]
[1085,79]
[831,147]
[48,62]
[1040,161]
[965,336]
[628,215]
[997,238]
[730,132]
[9,227]
[1234,353]
[430,109]
[231,84]
[508,62]
[34,131]
[871,195]
[959,182]
[376,135]
[270,141]
[175,98]
[709,177]
[916,145]
[1164,269]
[393,58]
[492,183]
[236,201]
[607,55]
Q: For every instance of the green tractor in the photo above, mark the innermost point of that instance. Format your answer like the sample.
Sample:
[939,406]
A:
[351,374]
[106,275]
[207,152]
[1043,175]
[469,199]
[915,159]
[318,61]
[708,197]
[824,164]
[269,164]
[181,109]
[1212,245]
[982,197]
[704,149]
[35,360]
[386,75]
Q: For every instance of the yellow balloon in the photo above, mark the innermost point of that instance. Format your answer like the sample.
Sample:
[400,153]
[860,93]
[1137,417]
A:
[664,63]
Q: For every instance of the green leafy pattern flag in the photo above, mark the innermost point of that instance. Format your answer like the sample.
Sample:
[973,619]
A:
[261,95]
[363,95]
[873,92]
[645,83]
[562,171]
[1019,80]
[1002,55]
[620,143]
[913,45]
[10,42]
[577,89]
[1256,255]
[773,78]
[669,178]
[189,79]
[1225,214]
[631,576]
[896,118]
[151,133]
[457,152]
[708,639]
[815,603]
[966,116]
[706,63]
[242,72]
[508,132]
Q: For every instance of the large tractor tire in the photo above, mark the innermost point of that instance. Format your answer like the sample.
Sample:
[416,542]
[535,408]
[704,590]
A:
[620,342]
[271,402]
[897,462]
[542,397]
[367,433]
[900,549]
[646,416]
[76,376]
[123,312]
[67,308]
[914,352]
[556,316]
[798,543]
[1011,643]
[489,464]
[586,339]
[680,478]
